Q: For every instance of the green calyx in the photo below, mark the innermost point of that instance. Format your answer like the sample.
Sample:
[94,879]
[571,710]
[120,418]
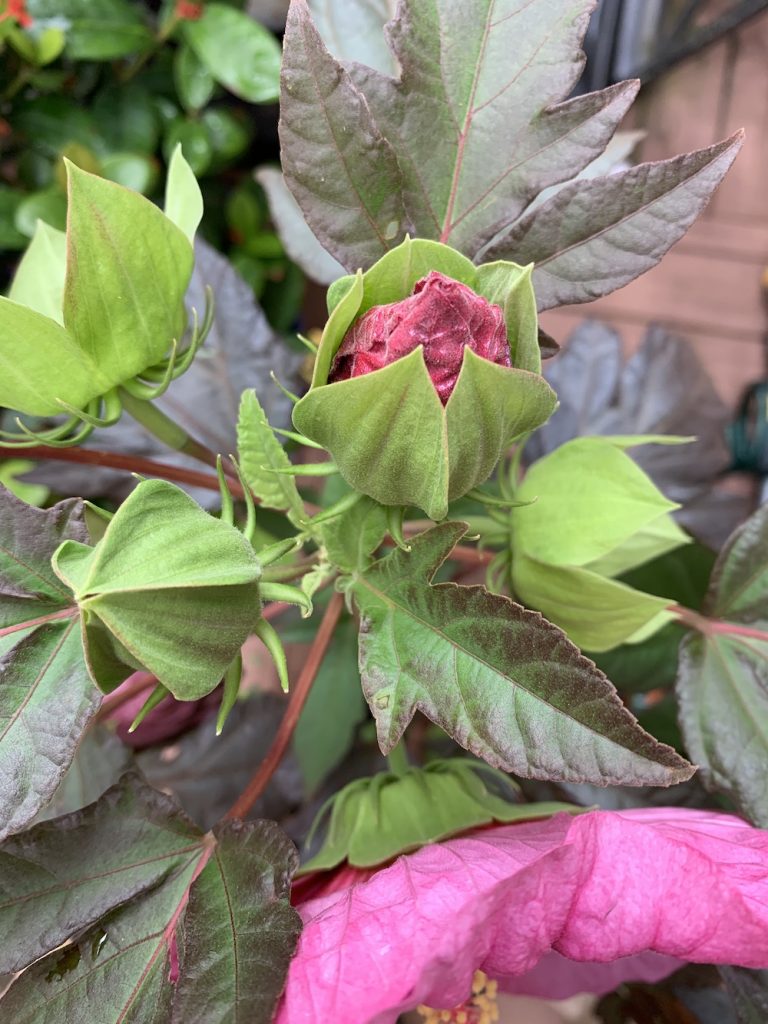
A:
[387,431]
[100,307]
[168,589]
[373,820]
[596,516]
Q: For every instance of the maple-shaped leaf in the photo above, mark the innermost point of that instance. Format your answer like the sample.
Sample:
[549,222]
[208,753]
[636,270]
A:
[478,128]
[501,680]
[126,912]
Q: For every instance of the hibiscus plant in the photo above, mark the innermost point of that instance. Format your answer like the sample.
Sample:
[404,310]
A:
[434,584]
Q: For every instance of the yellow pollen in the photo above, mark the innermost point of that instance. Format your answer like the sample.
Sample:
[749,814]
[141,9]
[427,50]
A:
[480,1008]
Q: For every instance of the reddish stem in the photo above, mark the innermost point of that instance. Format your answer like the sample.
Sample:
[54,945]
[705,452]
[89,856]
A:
[129,463]
[709,626]
[299,695]
[471,556]
[65,613]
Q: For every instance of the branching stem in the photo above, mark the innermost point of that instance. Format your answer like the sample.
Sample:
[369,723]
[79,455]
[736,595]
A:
[299,694]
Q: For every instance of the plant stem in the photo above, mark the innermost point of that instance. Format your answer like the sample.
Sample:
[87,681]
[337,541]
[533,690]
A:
[397,759]
[299,695]
[692,619]
[129,463]
[162,427]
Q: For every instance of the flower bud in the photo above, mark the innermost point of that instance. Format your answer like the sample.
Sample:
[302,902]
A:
[428,368]
[443,315]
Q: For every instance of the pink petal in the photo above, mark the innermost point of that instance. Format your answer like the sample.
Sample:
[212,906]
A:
[596,888]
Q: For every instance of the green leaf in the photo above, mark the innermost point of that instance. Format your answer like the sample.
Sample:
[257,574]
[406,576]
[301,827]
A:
[46,697]
[29,536]
[590,498]
[240,931]
[128,269]
[334,709]
[183,199]
[338,165]
[96,29]
[194,82]
[62,876]
[175,589]
[10,236]
[101,759]
[722,682]
[39,279]
[596,613]
[503,682]
[479,140]
[240,53]
[126,118]
[373,820]
[596,236]
[46,702]
[260,454]
[351,538]
[124,879]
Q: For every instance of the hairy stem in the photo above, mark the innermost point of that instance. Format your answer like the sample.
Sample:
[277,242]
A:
[397,759]
[155,421]
[299,694]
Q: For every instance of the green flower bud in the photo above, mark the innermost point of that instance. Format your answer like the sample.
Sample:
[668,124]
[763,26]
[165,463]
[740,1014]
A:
[168,589]
[432,422]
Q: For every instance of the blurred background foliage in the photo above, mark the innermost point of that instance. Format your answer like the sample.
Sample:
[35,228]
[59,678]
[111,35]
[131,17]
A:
[114,86]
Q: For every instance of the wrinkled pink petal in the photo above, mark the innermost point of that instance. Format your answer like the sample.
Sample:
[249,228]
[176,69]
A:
[443,316]
[603,886]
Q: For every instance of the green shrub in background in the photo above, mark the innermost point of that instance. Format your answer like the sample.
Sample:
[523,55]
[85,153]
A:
[114,86]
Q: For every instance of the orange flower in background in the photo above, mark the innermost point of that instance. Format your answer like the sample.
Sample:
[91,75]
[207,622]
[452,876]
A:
[188,11]
[16,9]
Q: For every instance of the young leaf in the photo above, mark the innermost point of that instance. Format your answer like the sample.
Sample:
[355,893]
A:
[596,236]
[260,454]
[479,140]
[341,170]
[39,279]
[183,199]
[503,682]
[722,681]
[46,697]
[351,538]
[239,52]
[124,880]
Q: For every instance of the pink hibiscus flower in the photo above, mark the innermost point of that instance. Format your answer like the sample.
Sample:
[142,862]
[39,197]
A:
[554,907]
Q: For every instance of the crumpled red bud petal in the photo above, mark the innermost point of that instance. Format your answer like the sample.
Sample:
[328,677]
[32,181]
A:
[443,316]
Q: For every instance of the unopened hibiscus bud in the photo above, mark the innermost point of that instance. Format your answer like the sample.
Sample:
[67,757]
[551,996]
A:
[428,368]
[443,315]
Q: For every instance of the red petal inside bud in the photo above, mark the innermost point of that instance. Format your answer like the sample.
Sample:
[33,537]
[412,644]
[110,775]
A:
[443,315]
